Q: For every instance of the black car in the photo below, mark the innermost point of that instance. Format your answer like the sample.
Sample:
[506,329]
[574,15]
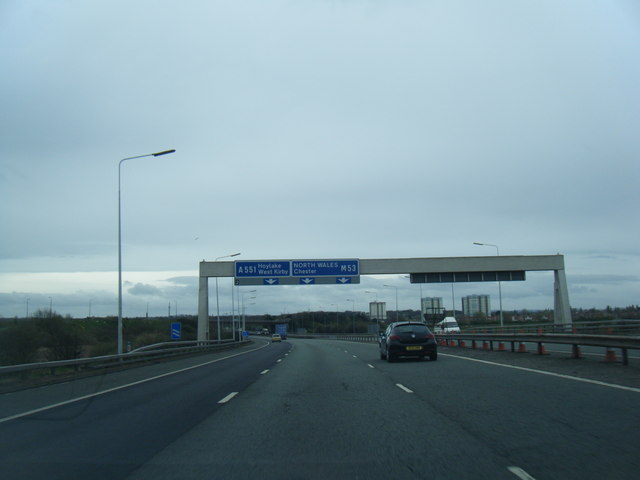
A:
[408,339]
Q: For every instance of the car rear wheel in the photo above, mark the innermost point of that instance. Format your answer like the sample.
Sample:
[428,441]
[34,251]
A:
[382,356]
[390,358]
[433,357]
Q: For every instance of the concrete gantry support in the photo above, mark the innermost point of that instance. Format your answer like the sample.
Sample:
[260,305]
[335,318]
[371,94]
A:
[562,309]
[393,266]
[203,309]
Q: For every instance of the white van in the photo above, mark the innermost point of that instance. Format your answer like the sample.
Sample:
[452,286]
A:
[448,325]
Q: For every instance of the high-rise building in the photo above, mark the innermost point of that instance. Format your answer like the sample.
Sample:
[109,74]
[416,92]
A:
[431,306]
[378,311]
[473,304]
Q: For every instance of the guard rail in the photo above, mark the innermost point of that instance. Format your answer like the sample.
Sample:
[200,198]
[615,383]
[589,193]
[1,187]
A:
[143,354]
[608,327]
[622,342]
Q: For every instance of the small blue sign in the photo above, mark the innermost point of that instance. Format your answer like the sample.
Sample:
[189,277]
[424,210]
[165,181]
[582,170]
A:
[176,331]
[325,268]
[263,269]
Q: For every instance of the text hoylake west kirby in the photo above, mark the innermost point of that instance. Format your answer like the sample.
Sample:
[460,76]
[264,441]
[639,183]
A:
[264,269]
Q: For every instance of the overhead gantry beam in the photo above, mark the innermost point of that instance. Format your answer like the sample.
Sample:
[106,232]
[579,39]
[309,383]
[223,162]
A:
[403,266]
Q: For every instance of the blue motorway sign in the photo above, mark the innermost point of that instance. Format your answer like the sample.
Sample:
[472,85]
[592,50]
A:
[264,269]
[297,272]
[176,331]
[325,268]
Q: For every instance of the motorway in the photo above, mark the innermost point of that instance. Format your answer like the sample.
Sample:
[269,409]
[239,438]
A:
[317,409]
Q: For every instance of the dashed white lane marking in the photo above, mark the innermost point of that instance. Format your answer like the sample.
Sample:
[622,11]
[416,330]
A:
[114,389]
[402,387]
[228,397]
[354,356]
[520,473]
[279,360]
[370,366]
[264,371]
[542,372]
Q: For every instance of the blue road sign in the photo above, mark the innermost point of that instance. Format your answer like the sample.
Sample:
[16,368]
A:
[325,268]
[264,269]
[344,280]
[176,331]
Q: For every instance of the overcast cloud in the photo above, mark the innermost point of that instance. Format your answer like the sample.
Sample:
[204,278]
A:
[315,129]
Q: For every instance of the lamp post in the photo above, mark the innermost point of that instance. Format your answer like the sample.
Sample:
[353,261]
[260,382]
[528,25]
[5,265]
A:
[353,313]
[217,299]
[27,317]
[243,318]
[499,283]
[337,324]
[391,286]
[157,154]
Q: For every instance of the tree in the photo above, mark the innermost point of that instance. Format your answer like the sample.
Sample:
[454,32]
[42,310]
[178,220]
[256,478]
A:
[19,343]
[63,337]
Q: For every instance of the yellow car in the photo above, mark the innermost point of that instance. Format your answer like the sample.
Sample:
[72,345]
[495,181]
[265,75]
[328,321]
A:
[276,337]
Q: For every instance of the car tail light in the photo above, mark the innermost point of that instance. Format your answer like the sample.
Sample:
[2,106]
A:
[394,337]
[430,336]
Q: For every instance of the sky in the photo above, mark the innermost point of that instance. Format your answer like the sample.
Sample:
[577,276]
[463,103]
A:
[315,129]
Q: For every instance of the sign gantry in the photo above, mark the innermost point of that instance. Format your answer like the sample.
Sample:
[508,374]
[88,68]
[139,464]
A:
[348,271]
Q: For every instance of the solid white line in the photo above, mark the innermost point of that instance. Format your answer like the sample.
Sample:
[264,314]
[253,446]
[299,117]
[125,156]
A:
[520,473]
[542,372]
[402,387]
[109,390]
[370,366]
[264,371]
[228,397]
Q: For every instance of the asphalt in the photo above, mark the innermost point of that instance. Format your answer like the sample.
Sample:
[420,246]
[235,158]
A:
[335,410]
[317,409]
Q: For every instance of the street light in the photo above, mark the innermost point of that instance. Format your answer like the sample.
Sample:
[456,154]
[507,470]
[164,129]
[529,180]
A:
[217,299]
[243,319]
[375,293]
[499,283]
[391,286]
[353,312]
[157,154]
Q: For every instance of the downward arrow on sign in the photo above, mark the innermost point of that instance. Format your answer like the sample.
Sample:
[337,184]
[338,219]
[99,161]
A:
[270,281]
[307,280]
[344,280]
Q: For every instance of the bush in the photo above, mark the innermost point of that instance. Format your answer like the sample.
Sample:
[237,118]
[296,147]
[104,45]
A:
[19,343]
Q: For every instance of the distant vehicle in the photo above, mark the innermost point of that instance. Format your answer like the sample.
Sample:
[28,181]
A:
[265,331]
[281,328]
[276,338]
[448,325]
[407,339]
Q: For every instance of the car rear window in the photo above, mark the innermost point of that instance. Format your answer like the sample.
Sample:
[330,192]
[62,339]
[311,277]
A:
[411,329]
